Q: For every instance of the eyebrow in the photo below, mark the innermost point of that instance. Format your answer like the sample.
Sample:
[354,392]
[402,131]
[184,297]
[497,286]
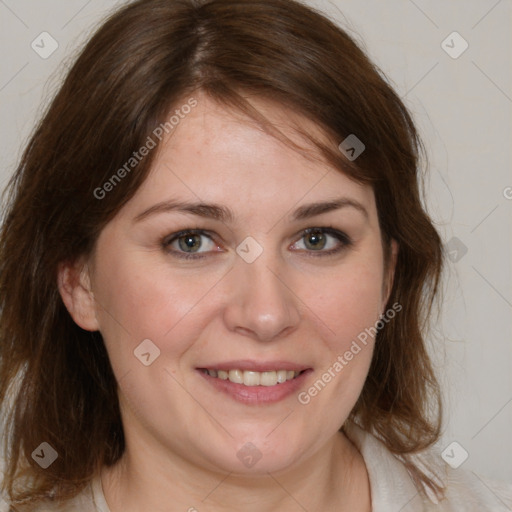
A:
[225,214]
[207,210]
[310,210]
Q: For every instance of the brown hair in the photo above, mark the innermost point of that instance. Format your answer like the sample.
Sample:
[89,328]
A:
[56,381]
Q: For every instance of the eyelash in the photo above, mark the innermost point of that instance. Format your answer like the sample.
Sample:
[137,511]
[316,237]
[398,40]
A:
[343,238]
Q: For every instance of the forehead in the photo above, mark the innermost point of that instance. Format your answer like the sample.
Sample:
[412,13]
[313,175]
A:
[218,155]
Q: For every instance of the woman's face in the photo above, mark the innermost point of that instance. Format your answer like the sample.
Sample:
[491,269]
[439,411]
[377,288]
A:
[210,262]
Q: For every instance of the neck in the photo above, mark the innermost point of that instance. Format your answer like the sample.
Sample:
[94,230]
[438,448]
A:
[333,479]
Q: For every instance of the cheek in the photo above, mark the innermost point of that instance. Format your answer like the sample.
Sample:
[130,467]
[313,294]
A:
[139,298]
[347,306]
[347,302]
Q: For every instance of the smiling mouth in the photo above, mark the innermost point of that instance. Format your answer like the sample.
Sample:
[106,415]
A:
[250,378]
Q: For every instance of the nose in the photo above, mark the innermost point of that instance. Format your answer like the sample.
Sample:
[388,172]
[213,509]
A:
[261,303]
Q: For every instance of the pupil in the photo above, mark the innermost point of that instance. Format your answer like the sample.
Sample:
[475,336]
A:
[190,242]
[315,240]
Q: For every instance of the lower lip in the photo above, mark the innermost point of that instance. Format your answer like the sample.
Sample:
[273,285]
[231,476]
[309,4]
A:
[257,394]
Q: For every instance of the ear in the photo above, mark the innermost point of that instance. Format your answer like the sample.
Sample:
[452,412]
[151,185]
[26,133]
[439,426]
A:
[389,272]
[74,284]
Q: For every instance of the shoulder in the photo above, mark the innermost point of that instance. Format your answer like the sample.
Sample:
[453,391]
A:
[90,499]
[392,483]
[83,502]
[466,490]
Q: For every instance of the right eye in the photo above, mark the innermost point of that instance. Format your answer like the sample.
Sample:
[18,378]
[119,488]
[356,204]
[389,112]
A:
[189,244]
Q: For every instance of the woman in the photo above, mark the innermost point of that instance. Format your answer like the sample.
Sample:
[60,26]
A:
[216,275]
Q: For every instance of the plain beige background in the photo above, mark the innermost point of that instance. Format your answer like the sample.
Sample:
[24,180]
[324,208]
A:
[463,107]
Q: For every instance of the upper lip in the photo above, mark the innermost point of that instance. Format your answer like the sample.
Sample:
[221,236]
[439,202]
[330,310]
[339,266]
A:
[256,366]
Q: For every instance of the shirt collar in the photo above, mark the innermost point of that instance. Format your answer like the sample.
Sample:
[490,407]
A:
[392,487]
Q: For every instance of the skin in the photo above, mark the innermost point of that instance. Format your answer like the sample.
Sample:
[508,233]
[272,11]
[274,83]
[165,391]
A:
[292,303]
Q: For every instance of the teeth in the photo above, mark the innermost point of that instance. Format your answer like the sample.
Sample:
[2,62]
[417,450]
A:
[236,376]
[281,376]
[249,378]
[268,379]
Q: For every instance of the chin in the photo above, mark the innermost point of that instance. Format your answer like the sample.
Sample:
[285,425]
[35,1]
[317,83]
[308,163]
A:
[260,456]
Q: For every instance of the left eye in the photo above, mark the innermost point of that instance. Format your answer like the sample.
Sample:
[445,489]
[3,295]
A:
[322,240]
